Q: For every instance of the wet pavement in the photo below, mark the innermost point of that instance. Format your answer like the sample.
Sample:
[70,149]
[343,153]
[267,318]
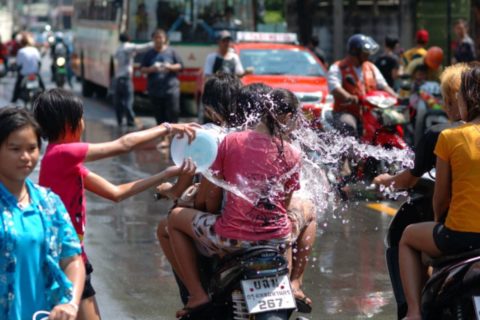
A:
[347,277]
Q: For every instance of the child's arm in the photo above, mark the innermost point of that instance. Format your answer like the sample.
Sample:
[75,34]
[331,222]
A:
[127,142]
[176,191]
[103,188]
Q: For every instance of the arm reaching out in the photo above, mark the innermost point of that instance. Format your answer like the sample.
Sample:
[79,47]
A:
[127,142]
[402,180]
[103,188]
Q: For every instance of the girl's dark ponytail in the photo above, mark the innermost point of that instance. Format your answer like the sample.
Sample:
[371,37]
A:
[269,118]
[280,102]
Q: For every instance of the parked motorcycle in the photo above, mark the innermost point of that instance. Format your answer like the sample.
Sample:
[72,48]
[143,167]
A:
[453,290]
[250,284]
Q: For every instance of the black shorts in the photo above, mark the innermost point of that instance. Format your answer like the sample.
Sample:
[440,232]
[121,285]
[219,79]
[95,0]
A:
[88,290]
[454,242]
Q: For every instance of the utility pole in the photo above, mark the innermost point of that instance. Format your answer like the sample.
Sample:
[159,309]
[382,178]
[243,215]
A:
[406,23]
[338,38]
[29,8]
[449,31]
[60,17]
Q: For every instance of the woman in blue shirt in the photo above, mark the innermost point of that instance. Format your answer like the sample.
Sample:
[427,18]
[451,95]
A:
[40,263]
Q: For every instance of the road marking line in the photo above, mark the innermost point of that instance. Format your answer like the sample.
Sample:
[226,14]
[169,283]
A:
[383,208]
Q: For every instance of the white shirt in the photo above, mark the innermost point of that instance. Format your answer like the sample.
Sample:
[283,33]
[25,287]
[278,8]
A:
[231,55]
[125,54]
[334,77]
[28,59]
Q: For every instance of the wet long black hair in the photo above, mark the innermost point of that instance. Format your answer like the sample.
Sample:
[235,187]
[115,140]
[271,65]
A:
[13,119]
[250,100]
[219,93]
[280,102]
[56,110]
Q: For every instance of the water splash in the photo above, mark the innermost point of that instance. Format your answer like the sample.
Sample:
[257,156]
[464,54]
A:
[321,165]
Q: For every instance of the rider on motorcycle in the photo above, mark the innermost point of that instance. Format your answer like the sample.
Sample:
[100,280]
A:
[424,157]
[28,62]
[351,78]
[432,61]
[57,50]
[420,206]
[423,71]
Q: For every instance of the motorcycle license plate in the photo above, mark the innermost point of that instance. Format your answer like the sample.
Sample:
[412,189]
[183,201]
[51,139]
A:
[476,303]
[267,294]
[34,84]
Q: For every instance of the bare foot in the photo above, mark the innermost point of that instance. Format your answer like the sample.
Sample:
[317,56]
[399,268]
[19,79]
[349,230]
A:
[413,317]
[166,190]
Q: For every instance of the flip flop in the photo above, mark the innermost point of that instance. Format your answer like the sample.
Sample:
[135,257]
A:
[302,305]
[194,313]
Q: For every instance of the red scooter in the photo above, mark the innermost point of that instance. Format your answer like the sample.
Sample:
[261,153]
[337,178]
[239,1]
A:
[383,120]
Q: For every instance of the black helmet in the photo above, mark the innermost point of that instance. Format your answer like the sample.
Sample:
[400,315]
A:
[359,43]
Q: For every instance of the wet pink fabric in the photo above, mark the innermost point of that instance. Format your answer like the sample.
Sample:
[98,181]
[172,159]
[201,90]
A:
[253,163]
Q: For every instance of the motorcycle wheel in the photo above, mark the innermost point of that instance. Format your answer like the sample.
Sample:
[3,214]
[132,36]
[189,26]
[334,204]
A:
[274,315]
[60,81]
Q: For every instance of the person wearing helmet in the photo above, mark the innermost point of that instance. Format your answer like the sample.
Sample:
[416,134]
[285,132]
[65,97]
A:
[351,78]
[432,60]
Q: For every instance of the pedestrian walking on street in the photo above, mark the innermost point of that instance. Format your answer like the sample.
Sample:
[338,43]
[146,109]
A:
[40,262]
[223,60]
[162,65]
[123,85]
[60,115]
[464,47]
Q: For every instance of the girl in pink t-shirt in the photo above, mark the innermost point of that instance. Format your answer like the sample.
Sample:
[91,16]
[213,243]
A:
[265,168]
[60,115]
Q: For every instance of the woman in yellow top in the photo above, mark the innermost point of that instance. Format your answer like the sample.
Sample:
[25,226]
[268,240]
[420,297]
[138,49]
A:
[456,196]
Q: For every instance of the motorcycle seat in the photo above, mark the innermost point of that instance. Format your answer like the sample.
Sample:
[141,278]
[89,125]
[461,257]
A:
[247,253]
[443,261]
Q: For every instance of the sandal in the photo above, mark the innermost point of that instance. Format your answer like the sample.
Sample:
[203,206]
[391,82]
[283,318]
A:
[302,305]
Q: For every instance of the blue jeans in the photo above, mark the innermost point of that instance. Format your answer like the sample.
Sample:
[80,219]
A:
[123,100]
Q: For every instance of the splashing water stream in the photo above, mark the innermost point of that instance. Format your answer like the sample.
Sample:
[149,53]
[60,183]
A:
[320,157]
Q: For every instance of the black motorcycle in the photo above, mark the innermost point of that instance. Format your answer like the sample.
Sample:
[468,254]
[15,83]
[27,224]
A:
[30,86]
[250,284]
[60,71]
[453,290]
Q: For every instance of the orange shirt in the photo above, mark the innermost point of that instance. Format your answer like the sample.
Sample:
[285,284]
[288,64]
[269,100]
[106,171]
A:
[460,147]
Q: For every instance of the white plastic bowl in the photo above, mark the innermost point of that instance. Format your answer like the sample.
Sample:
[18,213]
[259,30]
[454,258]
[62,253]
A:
[202,150]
